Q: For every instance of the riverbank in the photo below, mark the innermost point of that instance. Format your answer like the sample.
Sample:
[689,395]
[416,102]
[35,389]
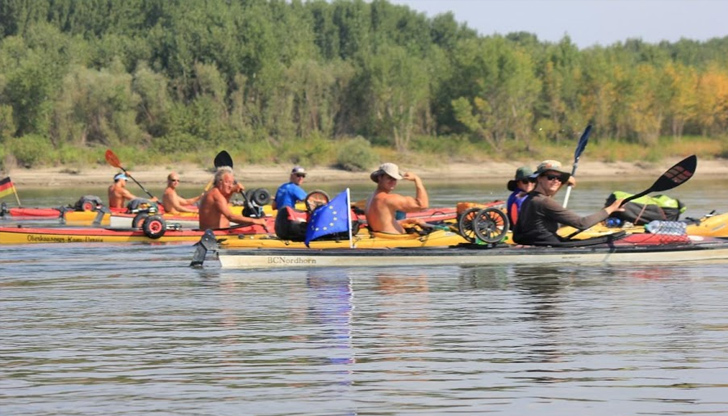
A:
[495,171]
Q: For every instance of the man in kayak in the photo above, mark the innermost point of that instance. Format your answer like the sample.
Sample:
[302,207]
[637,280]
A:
[286,196]
[383,204]
[215,206]
[171,201]
[541,214]
[118,194]
[519,187]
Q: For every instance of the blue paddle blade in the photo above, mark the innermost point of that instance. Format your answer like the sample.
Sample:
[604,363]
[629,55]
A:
[582,143]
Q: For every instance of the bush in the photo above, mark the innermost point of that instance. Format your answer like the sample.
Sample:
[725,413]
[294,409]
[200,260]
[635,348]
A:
[356,155]
[31,150]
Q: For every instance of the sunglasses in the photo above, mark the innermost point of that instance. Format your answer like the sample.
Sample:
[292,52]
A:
[174,180]
[527,181]
[300,175]
[552,177]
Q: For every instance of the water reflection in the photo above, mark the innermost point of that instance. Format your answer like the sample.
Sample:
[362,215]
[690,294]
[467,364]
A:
[331,306]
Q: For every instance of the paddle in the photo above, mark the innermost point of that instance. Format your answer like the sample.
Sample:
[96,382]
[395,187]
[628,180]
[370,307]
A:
[673,177]
[114,161]
[221,159]
[577,154]
[676,175]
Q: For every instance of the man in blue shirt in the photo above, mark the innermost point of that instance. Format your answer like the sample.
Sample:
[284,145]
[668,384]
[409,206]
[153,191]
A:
[286,196]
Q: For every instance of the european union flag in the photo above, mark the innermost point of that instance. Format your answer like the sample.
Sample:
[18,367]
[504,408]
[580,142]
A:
[333,217]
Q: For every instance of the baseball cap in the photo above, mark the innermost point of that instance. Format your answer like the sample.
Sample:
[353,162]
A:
[297,170]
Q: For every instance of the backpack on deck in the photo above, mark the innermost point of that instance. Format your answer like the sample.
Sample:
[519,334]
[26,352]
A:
[645,209]
[141,204]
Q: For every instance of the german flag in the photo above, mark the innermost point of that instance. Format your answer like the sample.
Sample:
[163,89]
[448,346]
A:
[6,187]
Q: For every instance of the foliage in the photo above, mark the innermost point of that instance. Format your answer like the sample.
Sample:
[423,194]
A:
[288,81]
[356,155]
[30,150]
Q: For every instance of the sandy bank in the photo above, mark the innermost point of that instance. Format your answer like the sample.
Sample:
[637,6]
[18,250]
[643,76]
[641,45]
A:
[495,171]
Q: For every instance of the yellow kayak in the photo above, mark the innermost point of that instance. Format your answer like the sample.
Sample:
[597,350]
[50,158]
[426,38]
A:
[87,218]
[707,226]
[438,238]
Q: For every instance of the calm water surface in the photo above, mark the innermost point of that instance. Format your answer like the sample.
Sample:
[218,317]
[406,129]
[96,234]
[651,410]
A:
[132,330]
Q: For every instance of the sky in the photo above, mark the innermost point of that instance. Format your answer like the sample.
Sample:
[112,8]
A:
[587,22]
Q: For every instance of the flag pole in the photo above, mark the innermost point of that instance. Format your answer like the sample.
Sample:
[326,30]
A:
[348,217]
[15,191]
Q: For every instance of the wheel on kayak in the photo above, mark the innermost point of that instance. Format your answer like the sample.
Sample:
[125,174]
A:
[316,199]
[154,227]
[260,197]
[491,225]
[139,218]
[465,224]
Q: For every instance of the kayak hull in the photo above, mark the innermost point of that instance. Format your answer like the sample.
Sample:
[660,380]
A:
[695,249]
[33,235]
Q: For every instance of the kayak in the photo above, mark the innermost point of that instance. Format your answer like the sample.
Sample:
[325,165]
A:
[635,248]
[20,212]
[711,225]
[153,233]
[437,238]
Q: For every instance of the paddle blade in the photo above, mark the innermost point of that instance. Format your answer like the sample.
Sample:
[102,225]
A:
[582,143]
[223,159]
[676,175]
[112,159]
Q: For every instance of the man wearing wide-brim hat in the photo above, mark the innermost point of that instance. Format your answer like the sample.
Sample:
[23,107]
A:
[382,206]
[541,214]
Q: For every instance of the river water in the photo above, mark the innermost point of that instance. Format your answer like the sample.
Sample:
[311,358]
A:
[132,330]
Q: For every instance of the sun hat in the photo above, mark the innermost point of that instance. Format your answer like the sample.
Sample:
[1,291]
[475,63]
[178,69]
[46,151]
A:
[297,170]
[389,168]
[524,172]
[551,165]
[119,176]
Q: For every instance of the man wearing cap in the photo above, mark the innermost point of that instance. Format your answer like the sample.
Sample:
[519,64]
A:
[382,206]
[291,192]
[172,202]
[118,194]
[519,187]
[541,214]
[215,204]
[286,196]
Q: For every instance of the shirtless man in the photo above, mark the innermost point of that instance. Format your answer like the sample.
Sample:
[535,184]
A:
[172,202]
[118,194]
[215,210]
[383,204]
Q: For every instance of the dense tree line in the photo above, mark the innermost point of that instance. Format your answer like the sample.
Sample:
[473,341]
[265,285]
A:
[284,79]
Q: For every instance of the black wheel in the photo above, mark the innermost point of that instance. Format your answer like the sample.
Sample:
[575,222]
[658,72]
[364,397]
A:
[154,227]
[138,220]
[491,225]
[465,224]
[260,197]
[316,199]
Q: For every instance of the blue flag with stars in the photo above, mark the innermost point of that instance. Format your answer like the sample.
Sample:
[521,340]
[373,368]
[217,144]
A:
[330,218]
